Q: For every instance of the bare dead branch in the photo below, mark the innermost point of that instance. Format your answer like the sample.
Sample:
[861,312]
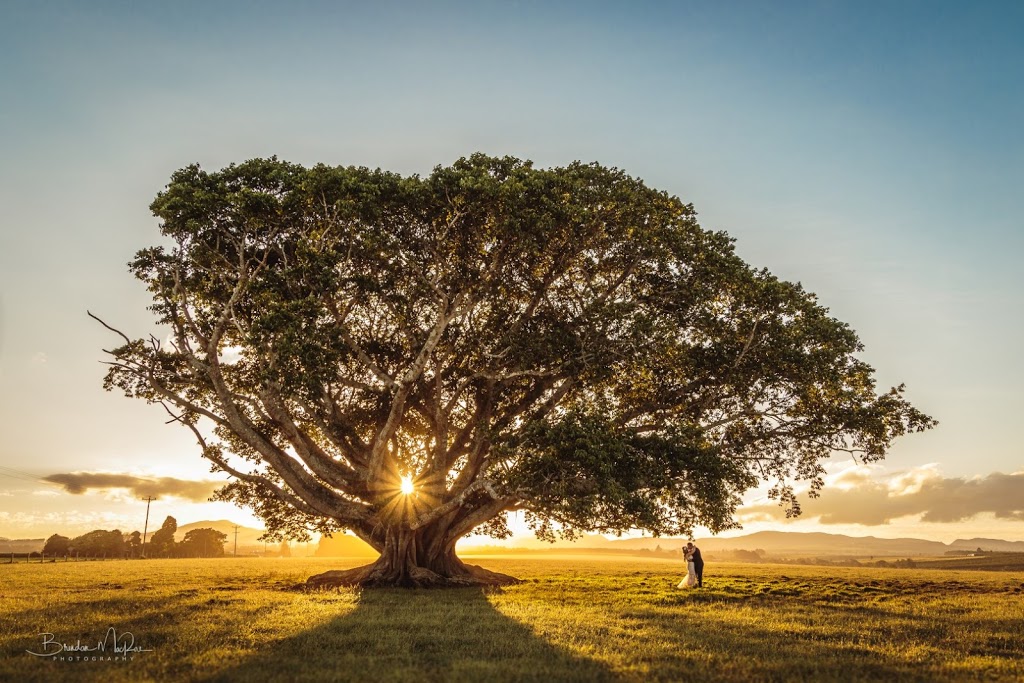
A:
[112,329]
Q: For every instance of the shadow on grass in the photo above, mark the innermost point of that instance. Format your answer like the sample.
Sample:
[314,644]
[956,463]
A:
[839,643]
[151,621]
[403,635]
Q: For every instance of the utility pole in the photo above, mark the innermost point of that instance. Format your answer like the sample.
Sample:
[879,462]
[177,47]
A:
[236,540]
[145,529]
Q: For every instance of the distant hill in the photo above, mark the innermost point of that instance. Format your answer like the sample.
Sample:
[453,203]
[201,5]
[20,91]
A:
[21,545]
[344,545]
[988,544]
[247,536]
[796,544]
[793,544]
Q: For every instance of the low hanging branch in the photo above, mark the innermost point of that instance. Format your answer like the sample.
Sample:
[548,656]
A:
[411,358]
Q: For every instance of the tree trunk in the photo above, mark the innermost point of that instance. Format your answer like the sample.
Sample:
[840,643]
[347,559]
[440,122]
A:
[413,559]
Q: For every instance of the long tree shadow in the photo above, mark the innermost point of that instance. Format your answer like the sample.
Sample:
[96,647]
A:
[402,635]
[152,620]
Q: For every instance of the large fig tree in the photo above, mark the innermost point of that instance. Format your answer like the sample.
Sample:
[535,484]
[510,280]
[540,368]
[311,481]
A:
[410,358]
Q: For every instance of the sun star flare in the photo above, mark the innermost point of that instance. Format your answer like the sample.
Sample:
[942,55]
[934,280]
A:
[407,486]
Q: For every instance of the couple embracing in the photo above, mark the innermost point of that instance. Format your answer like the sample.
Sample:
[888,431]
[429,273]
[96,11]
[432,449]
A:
[694,567]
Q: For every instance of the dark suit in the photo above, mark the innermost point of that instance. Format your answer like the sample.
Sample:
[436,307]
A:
[698,566]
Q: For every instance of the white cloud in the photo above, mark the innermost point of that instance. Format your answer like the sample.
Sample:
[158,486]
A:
[913,481]
[863,496]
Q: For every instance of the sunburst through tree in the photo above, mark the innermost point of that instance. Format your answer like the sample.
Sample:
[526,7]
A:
[410,358]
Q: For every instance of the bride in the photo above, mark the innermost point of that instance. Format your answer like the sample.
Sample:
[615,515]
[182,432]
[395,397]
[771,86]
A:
[691,570]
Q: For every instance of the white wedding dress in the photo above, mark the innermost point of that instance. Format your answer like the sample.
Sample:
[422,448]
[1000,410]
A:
[691,576]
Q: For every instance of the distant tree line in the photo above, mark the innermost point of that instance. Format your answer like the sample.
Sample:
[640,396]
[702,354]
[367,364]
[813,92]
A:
[100,543]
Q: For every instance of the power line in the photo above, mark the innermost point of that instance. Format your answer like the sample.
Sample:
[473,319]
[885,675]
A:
[236,540]
[18,477]
[24,476]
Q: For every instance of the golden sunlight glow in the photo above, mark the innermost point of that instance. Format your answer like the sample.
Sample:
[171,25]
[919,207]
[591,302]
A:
[407,487]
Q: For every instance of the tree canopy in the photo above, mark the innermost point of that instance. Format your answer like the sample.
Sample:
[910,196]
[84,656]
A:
[133,543]
[202,542]
[161,543]
[97,543]
[496,337]
[56,545]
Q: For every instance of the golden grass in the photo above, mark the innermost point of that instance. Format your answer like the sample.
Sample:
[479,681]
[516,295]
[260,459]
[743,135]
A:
[572,619]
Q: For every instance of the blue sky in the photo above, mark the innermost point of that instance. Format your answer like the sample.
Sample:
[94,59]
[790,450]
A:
[872,151]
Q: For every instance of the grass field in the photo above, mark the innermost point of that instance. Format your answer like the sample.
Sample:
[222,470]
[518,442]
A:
[573,619]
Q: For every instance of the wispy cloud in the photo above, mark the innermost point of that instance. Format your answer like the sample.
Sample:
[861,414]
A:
[855,496]
[81,482]
[69,523]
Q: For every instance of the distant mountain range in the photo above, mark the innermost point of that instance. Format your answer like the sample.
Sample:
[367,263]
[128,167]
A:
[816,544]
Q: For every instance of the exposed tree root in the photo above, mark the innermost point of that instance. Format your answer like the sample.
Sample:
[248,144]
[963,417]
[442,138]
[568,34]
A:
[376,576]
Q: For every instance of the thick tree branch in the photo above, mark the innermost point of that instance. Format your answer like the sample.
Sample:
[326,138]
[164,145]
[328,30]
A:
[446,313]
[472,518]
[454,504]
[333,472]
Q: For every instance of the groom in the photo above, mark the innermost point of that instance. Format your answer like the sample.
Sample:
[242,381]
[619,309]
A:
[698,562]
